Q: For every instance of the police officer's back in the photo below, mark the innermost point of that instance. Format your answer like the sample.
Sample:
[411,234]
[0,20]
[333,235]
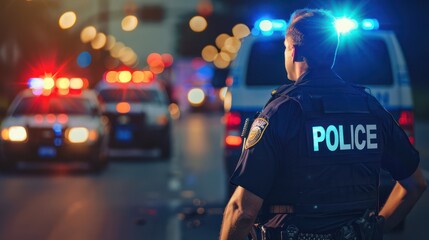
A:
[312,157]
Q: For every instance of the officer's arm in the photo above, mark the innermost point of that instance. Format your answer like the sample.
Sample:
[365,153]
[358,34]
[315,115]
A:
[402,199]
[240,214]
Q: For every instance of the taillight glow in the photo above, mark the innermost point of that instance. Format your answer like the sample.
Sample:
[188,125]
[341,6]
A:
[406,121]
[233,119]
[233,141]
[232,134]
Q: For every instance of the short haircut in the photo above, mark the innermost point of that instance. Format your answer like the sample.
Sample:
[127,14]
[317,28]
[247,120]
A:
[314,36]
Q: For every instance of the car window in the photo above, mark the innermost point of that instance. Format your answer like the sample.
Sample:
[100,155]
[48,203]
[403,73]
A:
[52,104]
[129,95]
[266,64]
[364,60]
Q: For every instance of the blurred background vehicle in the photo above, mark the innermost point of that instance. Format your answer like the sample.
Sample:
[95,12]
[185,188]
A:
[138,110]
[55,120]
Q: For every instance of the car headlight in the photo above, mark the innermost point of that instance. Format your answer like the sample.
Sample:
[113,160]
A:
[77,134]
[14,134]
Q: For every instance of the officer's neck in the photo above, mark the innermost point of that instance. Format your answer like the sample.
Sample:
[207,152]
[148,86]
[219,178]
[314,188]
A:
[300,68]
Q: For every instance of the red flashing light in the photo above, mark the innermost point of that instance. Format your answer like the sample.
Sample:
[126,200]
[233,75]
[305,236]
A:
[62,85]
[406,118]
[406,121]
[232,135]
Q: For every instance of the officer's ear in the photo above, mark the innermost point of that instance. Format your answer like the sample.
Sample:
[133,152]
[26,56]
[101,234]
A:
[297,54]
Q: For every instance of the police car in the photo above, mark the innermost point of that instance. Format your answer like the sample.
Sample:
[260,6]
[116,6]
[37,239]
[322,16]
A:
[137,107]
[55,120]
[378,64]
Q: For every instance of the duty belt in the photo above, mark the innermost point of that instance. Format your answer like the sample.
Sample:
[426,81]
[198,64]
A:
[293,233]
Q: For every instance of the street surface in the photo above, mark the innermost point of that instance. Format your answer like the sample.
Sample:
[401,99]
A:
[181,198]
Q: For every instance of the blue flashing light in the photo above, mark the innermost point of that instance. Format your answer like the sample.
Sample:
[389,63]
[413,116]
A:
[265,25]
[268,27]
[345,25]
[370,24]
[36,83]
[279,25]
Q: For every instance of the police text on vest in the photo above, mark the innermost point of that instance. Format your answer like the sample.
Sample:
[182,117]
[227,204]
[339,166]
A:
[360,137]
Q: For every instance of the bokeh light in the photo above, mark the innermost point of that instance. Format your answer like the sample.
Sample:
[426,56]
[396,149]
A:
[198,24]
[88,34]
[138,76]
[220,62]
[112,76]
[63,83]
[114,52]
[67,20]
[76,83]
[110,43]
[209,53]
[222,93]
[123,107]
[167,59]
[174,110]
[220,40]
[84,59]
[99,41]
[153,57]
[148,76]
[205,7]
[196,96]
[125,76]
[240,31]
[129,23]
[232,44]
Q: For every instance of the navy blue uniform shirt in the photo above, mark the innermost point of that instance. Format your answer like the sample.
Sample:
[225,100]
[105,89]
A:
[259,167]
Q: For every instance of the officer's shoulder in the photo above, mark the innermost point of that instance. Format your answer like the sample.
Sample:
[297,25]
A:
[283,104]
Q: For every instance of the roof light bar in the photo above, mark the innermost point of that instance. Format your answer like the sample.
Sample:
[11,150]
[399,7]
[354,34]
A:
[268,27]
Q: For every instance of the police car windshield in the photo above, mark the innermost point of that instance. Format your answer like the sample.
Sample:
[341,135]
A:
[364,59]
[266,63]
[53,105]
[129,95]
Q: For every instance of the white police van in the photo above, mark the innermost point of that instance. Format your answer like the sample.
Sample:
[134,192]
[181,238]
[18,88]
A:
[366,56]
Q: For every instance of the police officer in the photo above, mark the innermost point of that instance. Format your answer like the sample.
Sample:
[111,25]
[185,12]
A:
[311,162]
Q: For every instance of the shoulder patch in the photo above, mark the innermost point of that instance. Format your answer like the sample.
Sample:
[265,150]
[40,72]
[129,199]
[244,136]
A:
[256,132]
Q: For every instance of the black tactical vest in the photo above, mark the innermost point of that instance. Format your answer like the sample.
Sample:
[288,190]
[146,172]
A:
[340,145]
